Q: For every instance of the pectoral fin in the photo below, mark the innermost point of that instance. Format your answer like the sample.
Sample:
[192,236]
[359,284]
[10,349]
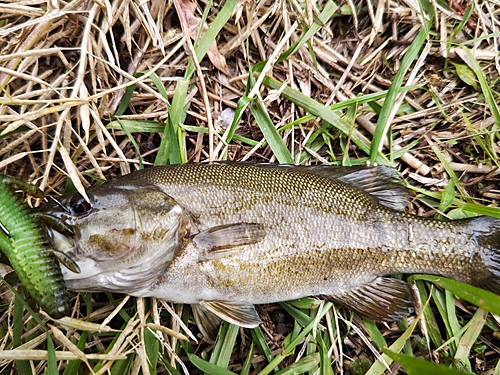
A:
[222,239]
[385,299]
[243,315]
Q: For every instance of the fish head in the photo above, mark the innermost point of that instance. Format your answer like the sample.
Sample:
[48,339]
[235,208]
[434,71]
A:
[122,239]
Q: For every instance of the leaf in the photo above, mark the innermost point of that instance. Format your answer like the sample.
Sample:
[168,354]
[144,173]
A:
[418,366]
[208,367]
[466,75]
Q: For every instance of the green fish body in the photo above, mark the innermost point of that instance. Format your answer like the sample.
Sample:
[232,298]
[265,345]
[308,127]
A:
[224,237]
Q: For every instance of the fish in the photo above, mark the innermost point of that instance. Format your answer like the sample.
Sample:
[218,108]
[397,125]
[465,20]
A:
[29,251]
[224,237]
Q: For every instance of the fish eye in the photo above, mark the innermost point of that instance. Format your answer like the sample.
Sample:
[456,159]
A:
[81,207]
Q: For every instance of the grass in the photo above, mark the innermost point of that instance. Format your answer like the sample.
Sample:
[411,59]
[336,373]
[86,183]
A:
[91,91]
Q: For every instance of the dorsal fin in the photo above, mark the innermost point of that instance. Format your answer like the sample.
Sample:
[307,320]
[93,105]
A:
[383,183]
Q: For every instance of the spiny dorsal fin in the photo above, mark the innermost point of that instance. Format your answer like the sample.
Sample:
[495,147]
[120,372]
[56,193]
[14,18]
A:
[207,322]
[222,239]
[383,183]
[384,299]
[241,314]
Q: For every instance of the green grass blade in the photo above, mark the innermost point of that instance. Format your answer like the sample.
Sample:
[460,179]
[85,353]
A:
[270,133]
[73,366]
[207,367]
[378,367]
[470,207]
[451,313]
[134,143]
[375,333]
[211,34]
[259,339]
[170,148]
[497,369]
[449,170]
[325,15]
[123,367]
[469,338]
[23,367]
[302,318]
[326,114]
[439,299]
[159,85]
[240,107]
[125,100]
[429,318]
[403,325]
[325,365]
[447,196]
[292,345]
[171,370]
[137,126]
[248,361]
[225,344]
[485,86]
[482,298]
[382,122]
[482,210]
[419,366]
[303,365]
[21,302]
[489,97]
[51,358]
[152,346]
[124,315]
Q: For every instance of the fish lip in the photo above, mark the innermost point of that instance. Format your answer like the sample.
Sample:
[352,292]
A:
[62,242]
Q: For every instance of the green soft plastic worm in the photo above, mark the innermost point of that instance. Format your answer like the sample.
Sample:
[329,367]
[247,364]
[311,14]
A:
[28,249]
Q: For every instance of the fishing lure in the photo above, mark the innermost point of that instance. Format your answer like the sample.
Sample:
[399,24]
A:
[29,250]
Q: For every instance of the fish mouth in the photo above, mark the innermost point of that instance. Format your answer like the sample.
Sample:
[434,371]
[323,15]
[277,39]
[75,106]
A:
[63,245]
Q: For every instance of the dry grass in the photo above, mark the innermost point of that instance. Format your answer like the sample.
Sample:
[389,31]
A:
[65,68]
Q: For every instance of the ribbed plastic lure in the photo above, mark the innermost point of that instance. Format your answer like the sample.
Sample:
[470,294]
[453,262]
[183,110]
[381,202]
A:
[29,251]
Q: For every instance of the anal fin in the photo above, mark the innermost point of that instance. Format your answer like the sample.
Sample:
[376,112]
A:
[385,299]
[241,314]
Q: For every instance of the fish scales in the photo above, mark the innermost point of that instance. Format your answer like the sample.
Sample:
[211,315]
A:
[250,234]
[303,216]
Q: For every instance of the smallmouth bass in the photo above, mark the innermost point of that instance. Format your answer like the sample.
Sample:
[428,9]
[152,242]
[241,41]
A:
[226,236]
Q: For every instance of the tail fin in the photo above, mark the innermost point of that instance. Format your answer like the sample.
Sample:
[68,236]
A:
[487,262]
